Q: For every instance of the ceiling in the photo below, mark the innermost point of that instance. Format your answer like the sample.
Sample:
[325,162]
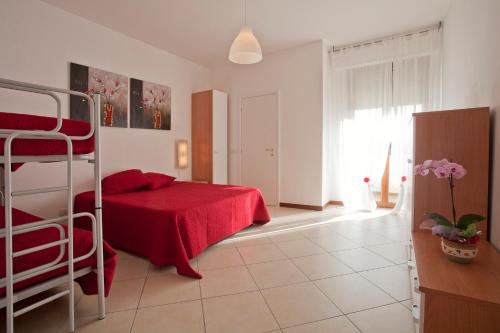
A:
[202,30]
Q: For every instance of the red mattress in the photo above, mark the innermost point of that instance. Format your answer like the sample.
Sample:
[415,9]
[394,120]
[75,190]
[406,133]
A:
[45,147]
[176,223]
[82,244]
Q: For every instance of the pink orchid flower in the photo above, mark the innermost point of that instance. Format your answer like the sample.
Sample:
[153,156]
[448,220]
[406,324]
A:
[442,172]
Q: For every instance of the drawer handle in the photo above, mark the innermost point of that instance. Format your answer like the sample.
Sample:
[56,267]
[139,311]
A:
[415,312]
[416,285]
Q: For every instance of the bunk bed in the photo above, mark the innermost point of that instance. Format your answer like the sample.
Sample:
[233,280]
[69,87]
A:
[40,254]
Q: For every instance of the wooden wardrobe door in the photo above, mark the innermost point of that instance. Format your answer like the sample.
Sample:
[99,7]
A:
[201,136]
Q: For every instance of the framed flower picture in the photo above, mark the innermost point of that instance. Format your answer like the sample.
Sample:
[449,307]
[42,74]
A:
[112,87]
[150,105]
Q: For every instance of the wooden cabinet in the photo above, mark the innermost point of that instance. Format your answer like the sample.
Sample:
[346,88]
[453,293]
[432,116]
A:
[209,137]
[451,297]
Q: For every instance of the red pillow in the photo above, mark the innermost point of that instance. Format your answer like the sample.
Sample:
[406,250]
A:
[158,180]
[125,181]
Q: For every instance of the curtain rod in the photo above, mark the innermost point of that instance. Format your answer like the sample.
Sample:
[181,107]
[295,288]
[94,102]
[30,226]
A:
[378,40]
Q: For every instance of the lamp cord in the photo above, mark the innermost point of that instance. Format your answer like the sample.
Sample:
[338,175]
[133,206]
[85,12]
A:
[245,12]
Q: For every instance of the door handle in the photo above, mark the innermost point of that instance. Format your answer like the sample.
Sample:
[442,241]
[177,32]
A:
[270,149]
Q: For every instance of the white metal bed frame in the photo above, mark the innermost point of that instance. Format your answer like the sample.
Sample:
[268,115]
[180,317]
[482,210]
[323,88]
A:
[7,195]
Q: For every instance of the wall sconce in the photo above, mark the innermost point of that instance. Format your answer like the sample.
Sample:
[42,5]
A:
[182,154]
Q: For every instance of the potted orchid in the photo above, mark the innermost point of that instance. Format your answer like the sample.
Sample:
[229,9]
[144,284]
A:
[459,237]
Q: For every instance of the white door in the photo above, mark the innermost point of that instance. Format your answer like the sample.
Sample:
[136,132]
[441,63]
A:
[259,145]
[219,140]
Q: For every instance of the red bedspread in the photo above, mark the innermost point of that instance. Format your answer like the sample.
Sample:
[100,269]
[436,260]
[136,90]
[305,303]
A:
[44,147]
[82,245]
[175,223]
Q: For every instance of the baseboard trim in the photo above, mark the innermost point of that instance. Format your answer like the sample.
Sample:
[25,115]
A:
[335,203]
[299,206]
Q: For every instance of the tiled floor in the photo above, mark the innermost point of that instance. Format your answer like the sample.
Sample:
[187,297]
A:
[302,272]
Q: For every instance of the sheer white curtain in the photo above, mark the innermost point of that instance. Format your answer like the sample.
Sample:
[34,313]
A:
[375,90]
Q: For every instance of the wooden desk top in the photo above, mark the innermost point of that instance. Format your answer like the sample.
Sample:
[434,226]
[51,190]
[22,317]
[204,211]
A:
[478,281]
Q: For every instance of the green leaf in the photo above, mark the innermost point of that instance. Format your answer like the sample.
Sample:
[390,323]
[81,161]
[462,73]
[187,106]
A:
[439,219]
[469,232]
[467,219]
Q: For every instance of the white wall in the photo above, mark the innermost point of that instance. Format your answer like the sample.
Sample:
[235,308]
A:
[39,41]
[472,73]
[297,74]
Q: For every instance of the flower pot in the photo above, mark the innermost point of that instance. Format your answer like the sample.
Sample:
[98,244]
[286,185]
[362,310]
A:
[458,252]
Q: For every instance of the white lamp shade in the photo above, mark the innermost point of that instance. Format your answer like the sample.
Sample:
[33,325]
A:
[245,48]
[182,154]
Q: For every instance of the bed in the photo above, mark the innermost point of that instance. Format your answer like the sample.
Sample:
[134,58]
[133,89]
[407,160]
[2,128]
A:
[83,243]
[175,223]
[27,147]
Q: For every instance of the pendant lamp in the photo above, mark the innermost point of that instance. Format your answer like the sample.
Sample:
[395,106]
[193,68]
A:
[245,48]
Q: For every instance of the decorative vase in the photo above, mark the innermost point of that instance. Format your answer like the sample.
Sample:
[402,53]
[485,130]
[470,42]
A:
[458,252]
[108,114]
[156,119]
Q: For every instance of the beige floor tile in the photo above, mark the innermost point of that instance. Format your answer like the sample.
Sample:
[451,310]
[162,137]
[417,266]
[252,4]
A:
[131,269]
[397,234]
[276,273]
[124,295]
[115,322]
[261,253]
[334,242]
[251,241]
[226,281]
[179,317]
[319,231]
[226,243]
[284,236]
[389,220]
[171,288]
[361,259]
[395,252]
[219,258]
[394,318]
[299,248]
[353,293]
[346,228]
[155,270]
[407,303]
[240,313]
[365,238]
[321,266]
[333,325]
[394,281]
[299,304]
[404,267]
